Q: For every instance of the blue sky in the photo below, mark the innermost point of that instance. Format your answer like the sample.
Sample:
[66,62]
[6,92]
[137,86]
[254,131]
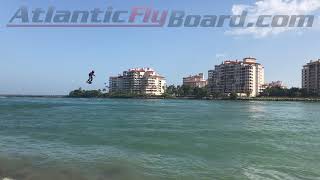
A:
[55,61]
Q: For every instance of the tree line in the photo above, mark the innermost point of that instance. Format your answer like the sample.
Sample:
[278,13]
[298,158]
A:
[173,91]
[284,92]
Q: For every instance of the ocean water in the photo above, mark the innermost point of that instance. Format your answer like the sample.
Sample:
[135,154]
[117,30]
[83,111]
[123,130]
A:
[127,139]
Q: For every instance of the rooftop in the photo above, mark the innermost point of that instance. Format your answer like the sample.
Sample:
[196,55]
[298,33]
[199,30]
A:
[141,70]
[248,60]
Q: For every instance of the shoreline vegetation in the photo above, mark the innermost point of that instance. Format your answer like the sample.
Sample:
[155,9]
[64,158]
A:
[188,93]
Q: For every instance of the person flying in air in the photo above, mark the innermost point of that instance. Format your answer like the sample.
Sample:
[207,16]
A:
[91,74]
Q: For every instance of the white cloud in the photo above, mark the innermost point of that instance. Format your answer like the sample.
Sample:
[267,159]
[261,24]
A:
[221,55]
[274,7]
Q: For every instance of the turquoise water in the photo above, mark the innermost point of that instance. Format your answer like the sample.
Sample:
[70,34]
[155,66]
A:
[119,139]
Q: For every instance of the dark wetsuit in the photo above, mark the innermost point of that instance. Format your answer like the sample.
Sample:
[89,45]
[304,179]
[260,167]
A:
[91,74]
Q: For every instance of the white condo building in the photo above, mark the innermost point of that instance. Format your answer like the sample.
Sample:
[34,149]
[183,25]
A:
[246,78]
[311,77]
[138,81]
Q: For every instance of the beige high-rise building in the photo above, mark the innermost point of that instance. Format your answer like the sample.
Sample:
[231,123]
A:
[138,81]
[311,77]
[242,77]
[195,81]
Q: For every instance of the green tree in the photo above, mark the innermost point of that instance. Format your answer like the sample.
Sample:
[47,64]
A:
[79,93]
[233,96]
[186,90]
[200,92]
[172,90]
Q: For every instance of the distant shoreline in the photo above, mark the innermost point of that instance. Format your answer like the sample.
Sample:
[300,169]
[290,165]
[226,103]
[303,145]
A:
[278,99]
[177,98]
[34,96]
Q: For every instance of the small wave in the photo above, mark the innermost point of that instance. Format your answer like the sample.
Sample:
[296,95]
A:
[6,178]
[266,174]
